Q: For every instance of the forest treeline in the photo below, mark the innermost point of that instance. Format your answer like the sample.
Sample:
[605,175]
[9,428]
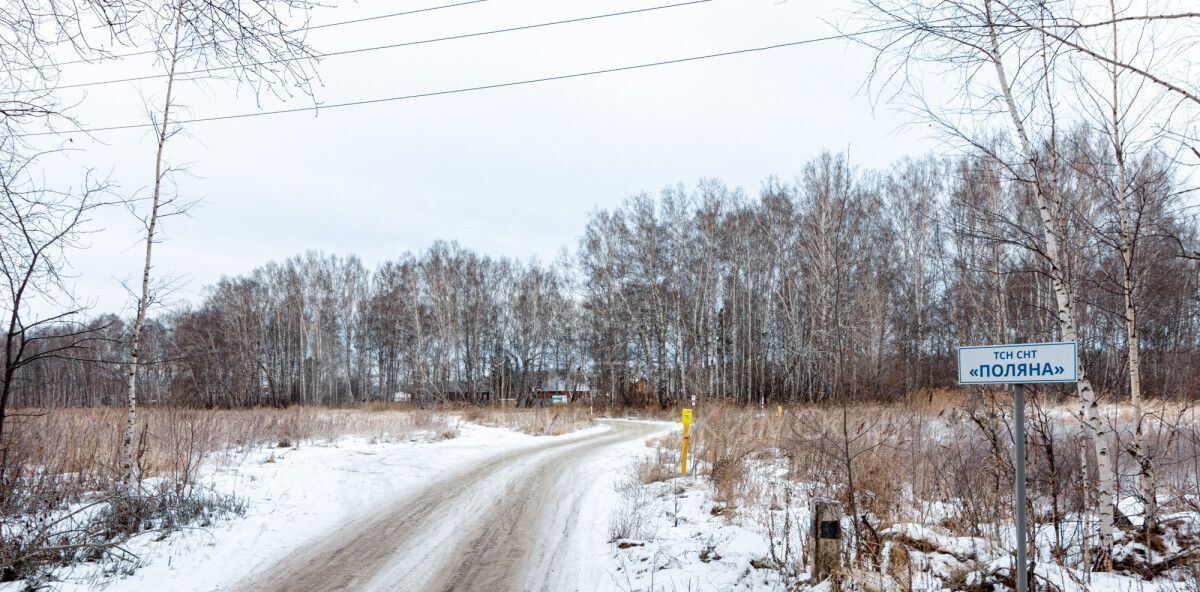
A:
[840,281]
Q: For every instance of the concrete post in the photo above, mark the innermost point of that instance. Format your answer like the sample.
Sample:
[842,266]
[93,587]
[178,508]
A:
[825,538]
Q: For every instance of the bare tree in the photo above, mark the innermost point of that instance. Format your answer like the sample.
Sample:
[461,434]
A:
[41,224]
[40,228]
[35,37]
[991,35]
[252,41]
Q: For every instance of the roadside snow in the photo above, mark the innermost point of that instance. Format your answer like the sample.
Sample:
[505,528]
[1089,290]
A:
[680,539]
[293,495]
[676,535]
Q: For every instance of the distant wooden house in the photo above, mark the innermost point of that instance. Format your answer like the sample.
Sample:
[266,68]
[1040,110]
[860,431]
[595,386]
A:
[453,390]
[558,390]
[460,390]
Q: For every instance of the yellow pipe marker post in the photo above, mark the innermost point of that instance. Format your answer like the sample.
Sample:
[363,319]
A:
[687,427]
[781,411]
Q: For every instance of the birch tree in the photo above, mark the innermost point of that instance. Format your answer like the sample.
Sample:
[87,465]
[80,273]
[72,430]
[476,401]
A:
[757,299]
[1128,114]
[255,43]
[913,191]
[980,36]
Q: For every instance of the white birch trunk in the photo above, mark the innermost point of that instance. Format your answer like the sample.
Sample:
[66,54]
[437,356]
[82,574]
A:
[1146,481]
[129,466]
[1064,298]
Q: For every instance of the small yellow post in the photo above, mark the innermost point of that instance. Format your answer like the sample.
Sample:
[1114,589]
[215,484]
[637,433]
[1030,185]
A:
[687,427]
[781,411]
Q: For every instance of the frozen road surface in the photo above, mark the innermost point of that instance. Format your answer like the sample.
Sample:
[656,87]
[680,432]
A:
[516,521]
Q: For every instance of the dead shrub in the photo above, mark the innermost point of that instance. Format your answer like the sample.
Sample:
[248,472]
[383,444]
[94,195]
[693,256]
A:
[631,522]
[663,464]
[725,437]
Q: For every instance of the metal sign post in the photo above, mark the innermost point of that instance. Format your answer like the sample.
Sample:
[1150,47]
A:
[1018,365]
[1019,469]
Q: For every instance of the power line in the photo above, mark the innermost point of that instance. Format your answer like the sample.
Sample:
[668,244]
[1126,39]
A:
[309,28]
[192,75]
[378,17]
[469,89]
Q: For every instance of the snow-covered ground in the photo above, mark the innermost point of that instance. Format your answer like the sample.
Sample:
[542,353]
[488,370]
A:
[295,496]
[590,523]
[676,535]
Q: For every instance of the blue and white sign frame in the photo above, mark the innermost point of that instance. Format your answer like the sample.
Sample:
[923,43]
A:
[1021,363]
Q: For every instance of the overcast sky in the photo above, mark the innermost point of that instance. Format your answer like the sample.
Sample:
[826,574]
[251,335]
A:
[509,172]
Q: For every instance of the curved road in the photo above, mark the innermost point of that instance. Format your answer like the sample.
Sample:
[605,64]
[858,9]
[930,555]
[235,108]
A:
[511,523]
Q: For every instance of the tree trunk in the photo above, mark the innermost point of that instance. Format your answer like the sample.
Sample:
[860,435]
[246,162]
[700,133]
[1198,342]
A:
[1064,298]
[1146,479]
[129,467]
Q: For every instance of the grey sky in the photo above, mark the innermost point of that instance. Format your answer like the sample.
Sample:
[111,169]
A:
[510,172]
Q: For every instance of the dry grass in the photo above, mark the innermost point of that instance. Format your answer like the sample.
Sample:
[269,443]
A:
[941,459]
[939,398]
[58,455]
[542,421]
[725,438]
[53,457]
[663,464]
[60,494]
[55,462]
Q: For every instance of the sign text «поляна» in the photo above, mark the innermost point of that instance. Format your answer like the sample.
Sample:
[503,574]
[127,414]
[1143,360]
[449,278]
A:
[1034,362]
[1007,369]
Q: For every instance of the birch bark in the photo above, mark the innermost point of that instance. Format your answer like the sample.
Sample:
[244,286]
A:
[1146,481]
[129,466]
[1050,212]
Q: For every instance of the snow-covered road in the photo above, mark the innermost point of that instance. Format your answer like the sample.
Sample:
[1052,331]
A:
[490,510]
[517,521]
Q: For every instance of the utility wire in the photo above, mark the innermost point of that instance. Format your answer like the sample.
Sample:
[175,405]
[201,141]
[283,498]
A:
[469,88]
[378,17]
[201,74]
[309,28]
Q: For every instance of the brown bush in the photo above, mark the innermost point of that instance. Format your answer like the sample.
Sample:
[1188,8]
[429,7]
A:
[725,437]
[663,464]
[57,455]
[940,460]
[53,459]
